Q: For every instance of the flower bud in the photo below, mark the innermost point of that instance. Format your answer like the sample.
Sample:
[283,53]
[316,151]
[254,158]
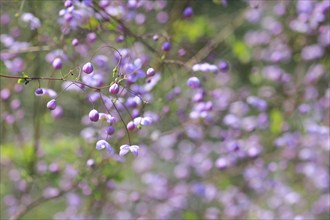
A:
[57,63]
[188,12]
[51,105]
[166,46]
[193,82]
[93,115]
[88,68]
[114,89]
[131,126]
[39,91]
[150,72]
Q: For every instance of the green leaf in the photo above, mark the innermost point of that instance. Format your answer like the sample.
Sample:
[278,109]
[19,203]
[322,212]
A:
[111,26]
[23,79]
[19,81]
[189,215]
[192,30]
[242,51]
[224,183]
[276,121]
[255,78]
[24,75]
[92,24]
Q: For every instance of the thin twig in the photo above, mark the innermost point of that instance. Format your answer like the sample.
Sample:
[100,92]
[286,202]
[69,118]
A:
[26,208]
[28,50]
[213,44]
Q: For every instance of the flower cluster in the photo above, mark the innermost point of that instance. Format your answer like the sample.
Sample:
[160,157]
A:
[213,120]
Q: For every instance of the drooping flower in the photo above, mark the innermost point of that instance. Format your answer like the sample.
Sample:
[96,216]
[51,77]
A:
[193,82]
[124,149]
[102,144]
[52,104]
[88,68]
[94,115]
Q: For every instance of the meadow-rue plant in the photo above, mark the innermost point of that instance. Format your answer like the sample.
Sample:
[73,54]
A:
[226,114]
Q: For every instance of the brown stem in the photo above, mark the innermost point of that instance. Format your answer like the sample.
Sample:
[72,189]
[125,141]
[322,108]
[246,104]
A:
[126,29]
[213,44]
[52,79]
[26,208]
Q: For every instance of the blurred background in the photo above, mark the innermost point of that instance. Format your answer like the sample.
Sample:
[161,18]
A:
[251,143]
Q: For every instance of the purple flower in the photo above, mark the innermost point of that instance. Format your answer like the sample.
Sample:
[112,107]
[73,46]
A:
[142,121]
[75,42]
[155,37]
[51,56]
[88,68]
[52,104]
[131,126]
[166,46]
[16,65]
[120,39]
[68,17]
[94,115]
[50,192]
[39,91]
[68,3]
[108,118]
[5,94]
[193,82]
[131,102]
[102,62]
[5,19]
[91,37]
[114,89]
[124,149]
[33,21]
[257,102]
[150,72]
[312,52]
[182,52]
[102,144]
[88,2]
[57,63]
[51,93]
[223,66]
[15,104]
[94,79]
[162,17]
[188,12]
[204,67]
[110,130]
[58,112]
[222,163]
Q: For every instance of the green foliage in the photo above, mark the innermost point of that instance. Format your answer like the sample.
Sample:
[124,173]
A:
[276,121]
[91,24]
[240,50]
[192,30]
[190,215]
[23,79]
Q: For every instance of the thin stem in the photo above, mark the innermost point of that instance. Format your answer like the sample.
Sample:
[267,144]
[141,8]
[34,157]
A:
[27,50]
[114,105]
[213,44]
[39,201]
[129,138]
[106,46]
[53,79]
[121,118]
[126,29]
